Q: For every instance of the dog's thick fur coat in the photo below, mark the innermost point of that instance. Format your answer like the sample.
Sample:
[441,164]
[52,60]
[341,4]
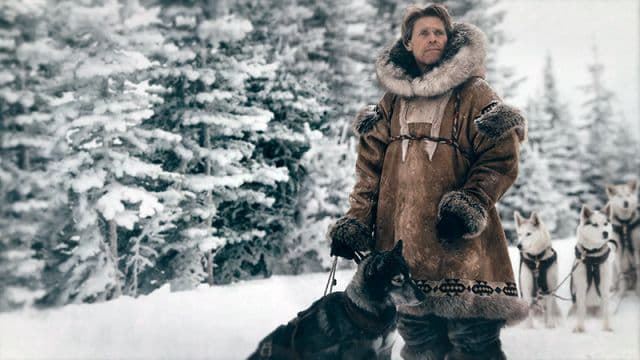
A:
[358,323]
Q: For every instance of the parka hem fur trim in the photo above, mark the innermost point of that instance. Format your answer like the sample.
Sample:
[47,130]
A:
[467,208]
[462,298]
[351,232]
[497,119]
[366,119]
[463,57]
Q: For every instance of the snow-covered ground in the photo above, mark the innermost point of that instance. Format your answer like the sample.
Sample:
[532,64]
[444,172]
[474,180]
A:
[226,322]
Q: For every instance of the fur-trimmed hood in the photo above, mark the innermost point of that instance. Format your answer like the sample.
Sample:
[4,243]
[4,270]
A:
[463,57]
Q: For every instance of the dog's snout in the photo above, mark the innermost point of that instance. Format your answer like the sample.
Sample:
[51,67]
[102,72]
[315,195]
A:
[519,246]
[605,234]
[626,204]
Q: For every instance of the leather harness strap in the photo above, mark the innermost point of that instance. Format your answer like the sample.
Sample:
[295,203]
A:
[624,229]
[539,267]
[592,259]
[453,141]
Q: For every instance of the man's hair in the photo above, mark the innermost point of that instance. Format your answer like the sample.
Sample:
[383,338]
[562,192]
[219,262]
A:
[415,12]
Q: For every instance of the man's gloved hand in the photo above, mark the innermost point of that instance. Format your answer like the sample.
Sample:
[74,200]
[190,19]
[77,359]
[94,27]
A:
[338,248]
[450,228]
[347,236]
[460,216]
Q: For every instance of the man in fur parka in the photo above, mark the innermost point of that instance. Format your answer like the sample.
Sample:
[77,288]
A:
[434,156]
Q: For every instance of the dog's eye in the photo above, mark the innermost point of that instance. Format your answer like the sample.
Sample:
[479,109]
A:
[528,234]
[397,280]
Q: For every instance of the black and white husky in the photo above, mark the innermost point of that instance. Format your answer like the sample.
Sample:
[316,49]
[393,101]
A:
[538,274]
[591,279]
[356,324]
[625,219]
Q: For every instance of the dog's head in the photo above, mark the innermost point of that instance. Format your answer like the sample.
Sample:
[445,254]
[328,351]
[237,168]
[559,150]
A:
[623,199]
[386,274]
[533,236]
[594,229]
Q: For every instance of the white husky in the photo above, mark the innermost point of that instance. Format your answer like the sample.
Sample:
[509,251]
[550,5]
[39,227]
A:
[538,274]
[625,218]
[591,280]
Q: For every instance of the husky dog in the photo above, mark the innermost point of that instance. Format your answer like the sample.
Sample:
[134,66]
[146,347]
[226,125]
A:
[591,279]
[356,324]
[538,274]
[625,217]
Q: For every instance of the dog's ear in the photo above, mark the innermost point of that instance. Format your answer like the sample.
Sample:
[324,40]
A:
[585,213]
[611,190]
[518,217]
[535,219]
[397,249]
[607,210]
[633,185]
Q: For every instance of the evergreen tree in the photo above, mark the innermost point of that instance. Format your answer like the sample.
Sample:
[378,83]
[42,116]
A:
[599,155]
[107,170]
[551,138]
[30,208]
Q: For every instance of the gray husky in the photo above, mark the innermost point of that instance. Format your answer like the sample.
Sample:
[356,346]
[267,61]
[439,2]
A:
[358,323]
[625,218]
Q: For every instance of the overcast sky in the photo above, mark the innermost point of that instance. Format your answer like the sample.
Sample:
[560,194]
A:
[568,29]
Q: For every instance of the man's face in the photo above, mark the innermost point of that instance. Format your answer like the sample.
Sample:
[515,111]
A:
[428,40]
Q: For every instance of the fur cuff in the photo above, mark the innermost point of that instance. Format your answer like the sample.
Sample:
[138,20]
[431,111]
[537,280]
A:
[366,119]
[498,119]
[353,233]
[512,309]
[466,207]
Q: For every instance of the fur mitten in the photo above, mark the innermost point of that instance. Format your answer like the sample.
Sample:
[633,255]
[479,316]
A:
[460,215]
[348,235]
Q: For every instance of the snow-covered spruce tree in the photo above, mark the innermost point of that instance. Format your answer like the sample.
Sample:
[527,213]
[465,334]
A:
[230,153]
[549,159]
[599,157]
[533,191]
[27,202]
[112,184]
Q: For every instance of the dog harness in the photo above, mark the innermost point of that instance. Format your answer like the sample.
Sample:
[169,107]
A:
[624,229]
[539,267]
[592,259]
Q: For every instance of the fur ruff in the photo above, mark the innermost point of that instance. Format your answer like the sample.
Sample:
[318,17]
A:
[366,119]
[512,309]
[467,208]
[463,58]
[353,233]
[497,119]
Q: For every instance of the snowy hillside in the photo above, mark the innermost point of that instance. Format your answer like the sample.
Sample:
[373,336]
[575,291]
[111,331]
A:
[226,322]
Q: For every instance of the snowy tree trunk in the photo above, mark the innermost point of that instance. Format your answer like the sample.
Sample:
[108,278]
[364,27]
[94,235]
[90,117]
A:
[25,159]
[210,267]
[206,143]
[113,243]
